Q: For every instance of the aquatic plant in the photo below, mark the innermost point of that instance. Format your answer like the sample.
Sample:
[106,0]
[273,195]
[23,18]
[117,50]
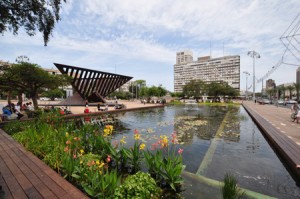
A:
[230,190]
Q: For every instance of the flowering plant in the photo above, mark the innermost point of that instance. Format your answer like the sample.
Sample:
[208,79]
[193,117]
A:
[167,167]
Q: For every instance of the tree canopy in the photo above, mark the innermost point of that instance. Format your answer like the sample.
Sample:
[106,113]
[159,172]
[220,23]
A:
[197,88]
[33,15]
[30,78]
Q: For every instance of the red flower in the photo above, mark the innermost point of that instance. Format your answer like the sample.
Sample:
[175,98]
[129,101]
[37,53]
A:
[180,151]
[108,158]
[136,131]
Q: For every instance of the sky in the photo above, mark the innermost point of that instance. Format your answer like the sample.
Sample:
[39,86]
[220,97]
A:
[140,38]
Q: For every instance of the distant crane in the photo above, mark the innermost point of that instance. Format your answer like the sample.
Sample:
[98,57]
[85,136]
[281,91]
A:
[292,43]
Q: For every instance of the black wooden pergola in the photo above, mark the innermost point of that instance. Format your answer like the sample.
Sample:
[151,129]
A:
[93,85]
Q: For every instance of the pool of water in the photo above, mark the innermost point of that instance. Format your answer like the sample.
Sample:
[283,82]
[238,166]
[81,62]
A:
[216,140]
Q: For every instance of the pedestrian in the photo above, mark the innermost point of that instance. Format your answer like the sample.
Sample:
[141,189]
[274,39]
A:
[86,110]
[298,116]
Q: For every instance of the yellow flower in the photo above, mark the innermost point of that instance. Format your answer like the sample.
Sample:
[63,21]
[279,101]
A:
[142,146]
[108,130]
[67,134]
[137,136]
[122,141]
[81,151]
[101,165]
[164,141]
[97,162]
[110,127]
[81,161]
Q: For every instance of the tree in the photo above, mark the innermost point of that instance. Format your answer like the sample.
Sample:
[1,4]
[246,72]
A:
[33,15]
[53,93]
[281,90]
[297,88]
[290,88]
[214,89]
[195,88]
[32,79]
[161,91]
[271,92]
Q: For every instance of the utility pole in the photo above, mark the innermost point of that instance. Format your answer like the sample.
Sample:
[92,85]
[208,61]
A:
[247,74]
[254,55]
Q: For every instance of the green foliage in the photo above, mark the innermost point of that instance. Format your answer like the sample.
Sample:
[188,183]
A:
[194,88]
[134,156]
[166,169]
[16,126]
[32,15]
[175,102]
[93,175]
[230,190]
[85,156]
[139,185]
[30,78]
[53,93]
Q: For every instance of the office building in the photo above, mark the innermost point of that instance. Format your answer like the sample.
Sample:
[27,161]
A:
[207,69]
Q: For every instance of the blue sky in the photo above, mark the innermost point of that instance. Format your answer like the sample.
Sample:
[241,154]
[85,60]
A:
[140,38]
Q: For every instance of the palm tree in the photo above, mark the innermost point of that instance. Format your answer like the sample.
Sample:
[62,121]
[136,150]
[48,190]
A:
[290,88]
[281,90]
[297,88]
[271,92]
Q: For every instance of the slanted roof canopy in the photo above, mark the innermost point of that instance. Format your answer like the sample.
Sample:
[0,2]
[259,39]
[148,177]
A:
[91,84]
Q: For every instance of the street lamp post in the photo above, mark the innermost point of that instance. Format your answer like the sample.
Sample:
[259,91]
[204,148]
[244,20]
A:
[247,74]
[254,55]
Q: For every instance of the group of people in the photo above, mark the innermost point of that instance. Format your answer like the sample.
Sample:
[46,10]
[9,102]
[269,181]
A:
[12,111]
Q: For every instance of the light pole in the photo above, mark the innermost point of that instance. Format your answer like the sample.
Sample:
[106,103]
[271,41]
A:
[247,74]
[254,55]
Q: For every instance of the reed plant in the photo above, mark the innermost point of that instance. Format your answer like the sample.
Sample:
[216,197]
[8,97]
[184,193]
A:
[230,189]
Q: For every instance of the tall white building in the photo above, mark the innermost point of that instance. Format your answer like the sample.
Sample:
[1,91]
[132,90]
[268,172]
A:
[207,69]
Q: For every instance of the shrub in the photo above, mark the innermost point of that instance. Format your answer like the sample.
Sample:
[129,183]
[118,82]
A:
[139,185]
[16,126]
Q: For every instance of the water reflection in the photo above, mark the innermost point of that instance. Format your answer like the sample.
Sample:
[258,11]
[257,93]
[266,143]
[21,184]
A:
[228,133]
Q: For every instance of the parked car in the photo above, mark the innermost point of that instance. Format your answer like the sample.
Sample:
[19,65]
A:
[266,101]
[44,98]
[291,102]
[281,102]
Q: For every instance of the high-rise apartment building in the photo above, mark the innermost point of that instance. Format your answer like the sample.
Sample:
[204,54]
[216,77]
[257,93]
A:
[207,69]
[298,76]
[270,84]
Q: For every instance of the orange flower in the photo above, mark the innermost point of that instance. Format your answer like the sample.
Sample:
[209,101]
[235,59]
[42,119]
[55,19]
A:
[66,149]
[76,138]
[68,142]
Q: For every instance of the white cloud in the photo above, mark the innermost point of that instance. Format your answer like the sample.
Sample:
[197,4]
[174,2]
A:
[147,34]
